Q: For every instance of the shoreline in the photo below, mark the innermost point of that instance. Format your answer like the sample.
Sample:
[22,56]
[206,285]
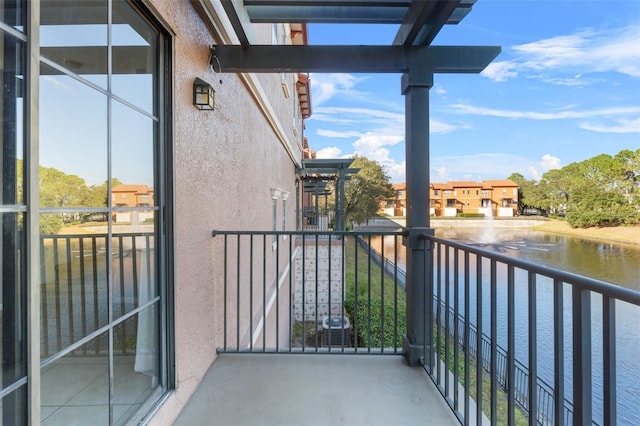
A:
[628,235]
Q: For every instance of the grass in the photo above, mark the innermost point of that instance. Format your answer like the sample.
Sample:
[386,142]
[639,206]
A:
[619,234]
[375,304]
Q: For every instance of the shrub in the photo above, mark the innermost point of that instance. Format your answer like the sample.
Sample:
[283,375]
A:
[371,334]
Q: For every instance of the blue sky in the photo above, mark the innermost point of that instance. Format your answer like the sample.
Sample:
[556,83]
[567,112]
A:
[565,88]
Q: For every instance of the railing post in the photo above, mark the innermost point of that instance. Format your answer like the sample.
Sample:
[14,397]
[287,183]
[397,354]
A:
[415,87]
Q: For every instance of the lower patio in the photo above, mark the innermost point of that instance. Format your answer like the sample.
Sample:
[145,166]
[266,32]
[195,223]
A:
[318,389]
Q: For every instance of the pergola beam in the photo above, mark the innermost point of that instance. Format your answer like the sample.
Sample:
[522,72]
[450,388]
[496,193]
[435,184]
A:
[239,19]
[371,59]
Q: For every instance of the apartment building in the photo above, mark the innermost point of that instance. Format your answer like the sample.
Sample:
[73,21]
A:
[496,198]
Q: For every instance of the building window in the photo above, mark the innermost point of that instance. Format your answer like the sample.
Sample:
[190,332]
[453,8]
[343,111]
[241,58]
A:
[447,193]
[485,192]
[436,192]
[451,203]
[477,192]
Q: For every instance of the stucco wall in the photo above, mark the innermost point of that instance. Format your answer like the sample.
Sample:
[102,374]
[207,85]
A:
[226,162]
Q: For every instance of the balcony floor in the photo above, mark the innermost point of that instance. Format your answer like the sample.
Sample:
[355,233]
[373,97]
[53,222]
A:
[284,389]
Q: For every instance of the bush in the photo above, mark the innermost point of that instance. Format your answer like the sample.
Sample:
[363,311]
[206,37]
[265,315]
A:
[371,335]
[471,215]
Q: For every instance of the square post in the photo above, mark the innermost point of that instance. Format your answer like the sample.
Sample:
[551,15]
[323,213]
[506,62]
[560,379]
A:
[415,87]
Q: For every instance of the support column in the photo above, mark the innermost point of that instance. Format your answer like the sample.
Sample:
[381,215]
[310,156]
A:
[415,87]
[340,225]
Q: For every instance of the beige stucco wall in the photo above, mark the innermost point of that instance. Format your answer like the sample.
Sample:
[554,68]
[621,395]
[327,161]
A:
[226,162]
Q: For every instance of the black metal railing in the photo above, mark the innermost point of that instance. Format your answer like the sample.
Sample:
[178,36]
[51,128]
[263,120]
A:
[308,291]
[318,219]
[75,292]
[500,295]
[545,390]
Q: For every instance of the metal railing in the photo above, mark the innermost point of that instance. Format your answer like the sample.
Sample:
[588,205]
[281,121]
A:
[500,295]
[283,294]
[318,219]
[545,390]
[75,293]
[278,298]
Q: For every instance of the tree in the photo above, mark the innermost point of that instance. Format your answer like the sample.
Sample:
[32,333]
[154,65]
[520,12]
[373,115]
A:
[526,191]
[593,205]
[366,190]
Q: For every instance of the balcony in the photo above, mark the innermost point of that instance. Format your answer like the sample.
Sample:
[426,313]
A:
[312,327]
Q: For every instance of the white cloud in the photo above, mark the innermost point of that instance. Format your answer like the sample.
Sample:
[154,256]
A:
[586,51]
[500,71]
[370,142]
[334,134]
[549,162]
[329,152]
[439,90]
[555,115]
[326,86]
[533,172]
[621,126]
[436,126]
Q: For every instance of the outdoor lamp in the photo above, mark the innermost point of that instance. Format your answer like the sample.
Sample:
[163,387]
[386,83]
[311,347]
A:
[203,95]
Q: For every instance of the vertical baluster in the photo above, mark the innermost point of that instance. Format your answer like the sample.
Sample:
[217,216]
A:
[83,292]
[369,254]
[558,352]
[533,356]
[56,265]
[447,307]
[438,355]
[304,294]
[511,346]
[316,289]
[264,290]
[494,344]
[238,311]
[251,292]
[96,287]
[329,293]
[342,281]
[44,299]
[356,323]
[278,294]
[225,290]
[456,334]
[609,359]
[467,339]
[292,263]
[134,267]
[70,307]
[395,294]
[479,339]
[582,392]
[382,268]
[123,299]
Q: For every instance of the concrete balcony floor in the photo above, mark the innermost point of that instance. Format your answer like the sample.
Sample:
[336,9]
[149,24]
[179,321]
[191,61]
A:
[285,389]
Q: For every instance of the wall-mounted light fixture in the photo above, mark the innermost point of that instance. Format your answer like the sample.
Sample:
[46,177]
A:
[203,95]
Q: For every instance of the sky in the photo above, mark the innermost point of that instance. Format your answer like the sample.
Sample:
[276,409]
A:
[565,88]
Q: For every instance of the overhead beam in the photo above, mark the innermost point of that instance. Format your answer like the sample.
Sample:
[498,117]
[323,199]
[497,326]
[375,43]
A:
[416,17]
[239,19]
[369,59]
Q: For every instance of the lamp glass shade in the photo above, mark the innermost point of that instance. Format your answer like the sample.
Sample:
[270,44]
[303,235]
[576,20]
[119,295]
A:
[203,95]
